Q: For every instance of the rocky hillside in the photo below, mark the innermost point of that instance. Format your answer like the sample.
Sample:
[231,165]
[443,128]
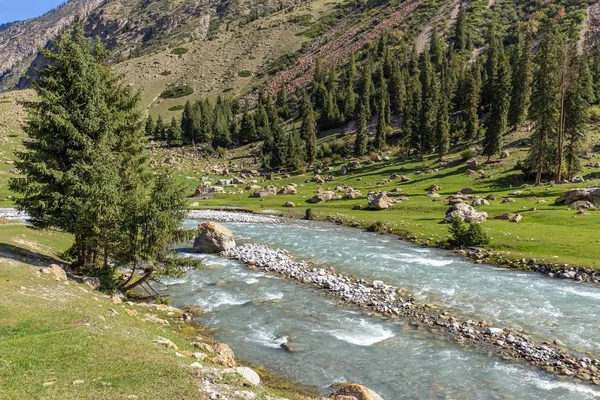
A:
[128,27]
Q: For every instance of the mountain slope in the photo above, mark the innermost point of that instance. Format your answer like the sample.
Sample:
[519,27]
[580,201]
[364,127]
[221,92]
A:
[129,28]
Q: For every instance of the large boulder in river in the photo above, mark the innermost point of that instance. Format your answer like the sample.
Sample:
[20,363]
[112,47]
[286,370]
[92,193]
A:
[587,194]
[213,238]
[379,201]
[350,390]
[466,213]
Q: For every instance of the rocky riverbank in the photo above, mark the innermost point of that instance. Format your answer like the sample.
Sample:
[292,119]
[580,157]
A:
[394,302]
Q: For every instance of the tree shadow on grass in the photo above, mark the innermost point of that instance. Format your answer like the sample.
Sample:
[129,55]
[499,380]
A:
[26,256]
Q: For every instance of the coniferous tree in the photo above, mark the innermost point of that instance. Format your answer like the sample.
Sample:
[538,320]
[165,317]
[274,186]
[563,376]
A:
[436,48]
[544,109]
[366,88]
[362,135]
[296,152]
[247,132]
[173,133]
[205,113]
[577,103]
[383,119]
[460,29]
[521,82]
[279,150]
[150,126]
[429,102]
[412,113]
[498,118]
[494,53]
[350,96]
[397,89]
[442,126]
[86,168]
[282,103]
[309,130]
[594,66]
[187,123]
[159,129]
[471,104]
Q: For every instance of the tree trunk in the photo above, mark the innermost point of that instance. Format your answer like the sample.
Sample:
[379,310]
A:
[147,275]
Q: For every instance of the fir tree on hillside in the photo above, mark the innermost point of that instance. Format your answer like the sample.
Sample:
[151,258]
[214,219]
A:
[86,170]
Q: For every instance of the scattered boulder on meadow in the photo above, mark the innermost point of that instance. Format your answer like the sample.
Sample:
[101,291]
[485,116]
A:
[353,164]
[480,202]
[587,194]
[289,204]
[577,179]
[317,179]
[393,176]
[213,238]
[323,197]
[467,191]
[91,281]
[582,204]
[58,273]
[353,390]
[508,200]
[470,173]
[433,188]
[493,197]
[288,189]
[471,163]
[505,154]
[404,178]
[379,201]
[433,194]
[466,213]
[456,198]
[352,194]
[269,190]
[510,217]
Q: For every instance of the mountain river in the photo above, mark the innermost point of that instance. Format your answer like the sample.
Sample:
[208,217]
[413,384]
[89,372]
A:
[255,313]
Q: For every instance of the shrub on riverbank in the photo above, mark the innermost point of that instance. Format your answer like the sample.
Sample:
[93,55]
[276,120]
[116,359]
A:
[467,235]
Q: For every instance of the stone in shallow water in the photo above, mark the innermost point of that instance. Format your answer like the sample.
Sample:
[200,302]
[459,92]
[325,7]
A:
[213,238]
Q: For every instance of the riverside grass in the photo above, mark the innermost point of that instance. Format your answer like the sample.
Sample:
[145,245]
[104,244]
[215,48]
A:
[548,233]
[60,341]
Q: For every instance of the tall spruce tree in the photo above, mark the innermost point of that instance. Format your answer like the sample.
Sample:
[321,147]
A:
[187,123]
[544,110]
[150,126]
[460,29]
[429,102]
[522,75]
[498,118]
[86,169]
[159,129]
[577,103]
[309,130]
[471,103]
[442,127]
[361,142]
[174,133]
